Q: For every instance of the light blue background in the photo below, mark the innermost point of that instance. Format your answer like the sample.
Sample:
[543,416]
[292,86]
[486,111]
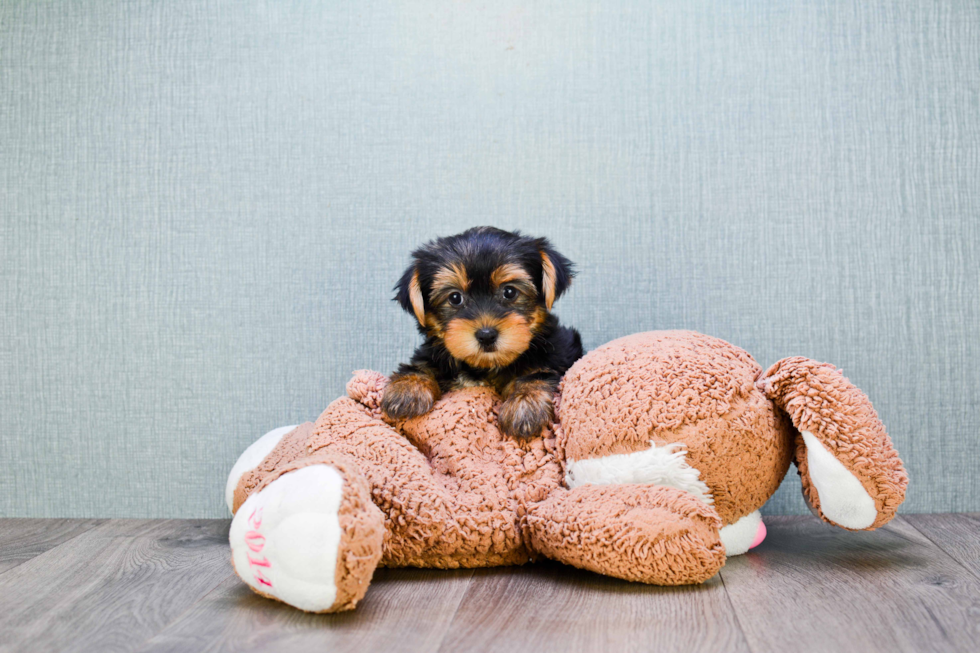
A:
[203,207]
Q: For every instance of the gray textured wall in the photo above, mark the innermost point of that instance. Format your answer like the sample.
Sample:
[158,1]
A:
[203,207]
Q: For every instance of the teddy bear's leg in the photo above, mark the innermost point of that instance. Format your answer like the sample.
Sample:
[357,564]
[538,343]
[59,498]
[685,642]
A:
[417,507]
[309,534]
[851,474]
[250,459]
[664,466]
[746,533]
[266,456]
[645,533]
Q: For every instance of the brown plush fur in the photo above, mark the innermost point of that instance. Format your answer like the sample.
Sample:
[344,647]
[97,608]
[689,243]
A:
[362,523]
[694,390]
[449,489]
[822,401]
[643,533]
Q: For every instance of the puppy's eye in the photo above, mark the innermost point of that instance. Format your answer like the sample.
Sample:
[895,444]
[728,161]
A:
[510,292]
[455,299]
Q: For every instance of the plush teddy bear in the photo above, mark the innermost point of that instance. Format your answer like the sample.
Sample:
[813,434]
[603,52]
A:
[664,447]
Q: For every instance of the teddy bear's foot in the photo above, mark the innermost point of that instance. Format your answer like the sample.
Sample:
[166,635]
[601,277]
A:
[310,537]
[852,477]
[747,533]
[645,533]
[251,458]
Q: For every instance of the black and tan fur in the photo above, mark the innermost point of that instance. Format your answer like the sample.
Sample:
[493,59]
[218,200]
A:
[500,286]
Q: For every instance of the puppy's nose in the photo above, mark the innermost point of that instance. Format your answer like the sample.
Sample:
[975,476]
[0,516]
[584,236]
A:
[486,336]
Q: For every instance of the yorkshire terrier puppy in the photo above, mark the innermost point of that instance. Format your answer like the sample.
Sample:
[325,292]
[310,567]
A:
[483,300]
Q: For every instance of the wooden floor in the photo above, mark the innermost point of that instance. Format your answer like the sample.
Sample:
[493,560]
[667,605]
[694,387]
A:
[127,585]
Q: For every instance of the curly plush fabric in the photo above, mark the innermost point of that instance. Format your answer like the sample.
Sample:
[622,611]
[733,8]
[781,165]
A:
[660,440]
[642,533]
[821,401]
[360,522]
[685,390]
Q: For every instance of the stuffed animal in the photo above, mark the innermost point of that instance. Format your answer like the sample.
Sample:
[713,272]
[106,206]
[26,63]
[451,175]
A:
[663,448]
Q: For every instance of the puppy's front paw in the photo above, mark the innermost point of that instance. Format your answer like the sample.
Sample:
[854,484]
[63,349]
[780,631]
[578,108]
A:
[527,410]
[410,395]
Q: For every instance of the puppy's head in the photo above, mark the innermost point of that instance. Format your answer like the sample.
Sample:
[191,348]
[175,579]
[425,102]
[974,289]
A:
[485,292]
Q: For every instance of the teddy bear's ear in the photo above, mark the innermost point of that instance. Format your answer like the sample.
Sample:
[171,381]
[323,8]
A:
[556,275]
[408,294]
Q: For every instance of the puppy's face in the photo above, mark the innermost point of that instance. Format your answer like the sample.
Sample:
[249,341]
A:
[485,293]
[486,317]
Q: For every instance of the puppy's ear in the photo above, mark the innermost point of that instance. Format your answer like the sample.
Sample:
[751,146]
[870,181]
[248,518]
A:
[556,275]
[408,294]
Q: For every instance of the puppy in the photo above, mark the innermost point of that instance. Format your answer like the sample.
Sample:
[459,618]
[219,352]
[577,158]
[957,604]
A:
[483,300]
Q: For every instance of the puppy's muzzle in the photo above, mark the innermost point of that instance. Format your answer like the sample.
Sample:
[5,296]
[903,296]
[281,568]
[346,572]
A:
[487,337]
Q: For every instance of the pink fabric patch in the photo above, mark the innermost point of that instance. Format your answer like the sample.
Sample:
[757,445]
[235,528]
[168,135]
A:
[759,536]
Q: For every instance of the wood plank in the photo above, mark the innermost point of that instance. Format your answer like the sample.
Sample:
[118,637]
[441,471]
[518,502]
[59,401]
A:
[113,587]
[814,587]
[958,535]
[548,606]
[22,539]
[404,610]
[167,586]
